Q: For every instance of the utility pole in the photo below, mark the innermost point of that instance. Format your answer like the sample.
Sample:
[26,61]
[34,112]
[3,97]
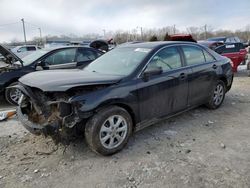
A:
[24,33]
[141,32]
[174,29]
[41,39]
[104,33]
[205,29]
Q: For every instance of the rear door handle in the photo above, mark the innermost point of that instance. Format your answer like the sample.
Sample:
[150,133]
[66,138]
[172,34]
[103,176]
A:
[214,66]
[182,76]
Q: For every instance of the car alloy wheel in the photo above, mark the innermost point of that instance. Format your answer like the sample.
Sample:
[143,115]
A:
[113,131]
[108,130]
[218,94]
[14,95]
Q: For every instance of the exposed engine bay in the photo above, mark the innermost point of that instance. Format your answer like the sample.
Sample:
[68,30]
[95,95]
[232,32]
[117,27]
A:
[51,113]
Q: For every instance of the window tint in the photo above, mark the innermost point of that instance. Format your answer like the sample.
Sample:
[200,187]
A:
[208,57]
[167,59]
[193,55]
[61,57]
[31,48]
[85,55]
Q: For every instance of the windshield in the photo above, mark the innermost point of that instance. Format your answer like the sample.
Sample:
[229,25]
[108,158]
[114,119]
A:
[120,61]
[27,60]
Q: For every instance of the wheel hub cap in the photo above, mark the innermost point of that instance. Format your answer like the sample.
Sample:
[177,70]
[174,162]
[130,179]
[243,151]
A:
[218,94]
[15,94]
[113,131]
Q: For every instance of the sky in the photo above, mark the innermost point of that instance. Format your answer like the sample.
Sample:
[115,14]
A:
[80,17]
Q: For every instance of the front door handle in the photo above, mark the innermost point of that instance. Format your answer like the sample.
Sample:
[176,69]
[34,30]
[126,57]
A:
[214,66]
[182,76]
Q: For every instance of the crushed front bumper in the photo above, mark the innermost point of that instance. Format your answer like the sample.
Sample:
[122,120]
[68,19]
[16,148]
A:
[34,128]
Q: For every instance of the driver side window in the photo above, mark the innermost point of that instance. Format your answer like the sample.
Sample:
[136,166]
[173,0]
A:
[61,57]
[167,59]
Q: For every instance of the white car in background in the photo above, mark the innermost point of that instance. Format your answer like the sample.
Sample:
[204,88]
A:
[22,51]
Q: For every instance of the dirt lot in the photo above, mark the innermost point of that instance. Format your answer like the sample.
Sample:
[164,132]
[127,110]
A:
[200,148]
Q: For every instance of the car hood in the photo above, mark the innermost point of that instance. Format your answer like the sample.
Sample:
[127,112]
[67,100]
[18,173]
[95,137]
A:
[8,53]
[62,80]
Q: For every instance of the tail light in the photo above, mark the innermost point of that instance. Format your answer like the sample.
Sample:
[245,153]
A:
[243,52]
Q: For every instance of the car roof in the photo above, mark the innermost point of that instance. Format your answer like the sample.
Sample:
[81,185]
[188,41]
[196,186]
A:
[217,37]
[154,44]
[64,47]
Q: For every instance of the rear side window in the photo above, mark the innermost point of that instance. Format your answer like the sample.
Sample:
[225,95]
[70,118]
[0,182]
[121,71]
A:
[227,48]
[193,55]
[86,55]
[31,48]
[237,39]
[208,57]
[167,59]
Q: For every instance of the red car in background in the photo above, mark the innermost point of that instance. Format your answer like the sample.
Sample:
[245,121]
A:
[230,47]
[182,37]
[236,52]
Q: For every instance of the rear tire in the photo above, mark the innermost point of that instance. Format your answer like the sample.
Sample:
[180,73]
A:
[12,95]
[108,131]
[218,95]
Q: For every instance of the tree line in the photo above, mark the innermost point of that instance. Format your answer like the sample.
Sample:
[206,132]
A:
[156,34]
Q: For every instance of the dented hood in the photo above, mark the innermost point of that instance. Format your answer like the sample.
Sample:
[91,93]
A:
[62,80]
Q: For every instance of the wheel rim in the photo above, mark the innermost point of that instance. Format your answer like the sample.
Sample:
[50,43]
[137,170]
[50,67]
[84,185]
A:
[15,95]
[218,94]
[113,131]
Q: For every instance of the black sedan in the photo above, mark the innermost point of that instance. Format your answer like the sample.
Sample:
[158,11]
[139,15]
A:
[12,67]
[126,89]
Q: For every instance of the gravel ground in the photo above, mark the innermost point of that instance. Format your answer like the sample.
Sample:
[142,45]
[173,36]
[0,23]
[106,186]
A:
[200,148]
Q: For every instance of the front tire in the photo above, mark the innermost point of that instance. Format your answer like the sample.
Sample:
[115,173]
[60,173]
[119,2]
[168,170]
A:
[12,95]
[108,131]
[218,95]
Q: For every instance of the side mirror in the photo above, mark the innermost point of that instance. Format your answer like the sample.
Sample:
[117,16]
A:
[18,51]
[40,66]
[151,71]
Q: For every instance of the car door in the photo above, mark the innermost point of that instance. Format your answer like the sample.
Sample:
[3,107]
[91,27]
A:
[203,75]
[85,56]
[60,59]
[166,93]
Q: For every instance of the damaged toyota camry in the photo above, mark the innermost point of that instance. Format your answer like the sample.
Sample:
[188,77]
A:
[125,90]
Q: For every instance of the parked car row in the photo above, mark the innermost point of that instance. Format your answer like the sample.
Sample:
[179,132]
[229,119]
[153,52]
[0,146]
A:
[46,59]
[230,47]
[122,91]
[22,51]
